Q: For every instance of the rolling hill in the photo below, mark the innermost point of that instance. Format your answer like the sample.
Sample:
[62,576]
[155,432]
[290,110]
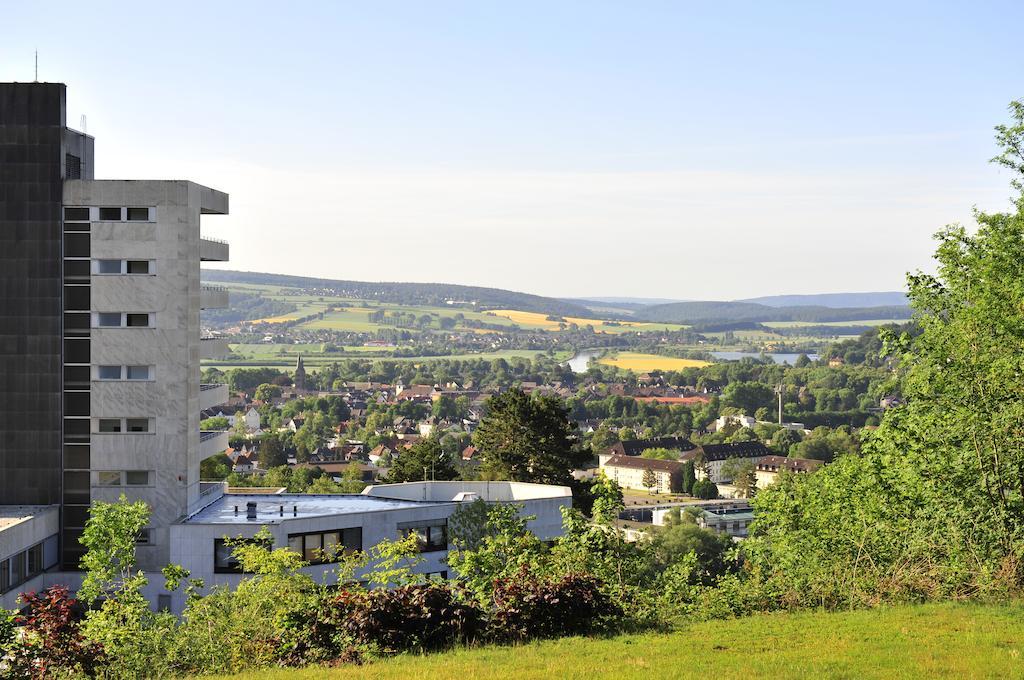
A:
[409,293]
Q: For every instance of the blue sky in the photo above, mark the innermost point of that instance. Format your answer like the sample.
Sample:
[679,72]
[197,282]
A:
[662,149]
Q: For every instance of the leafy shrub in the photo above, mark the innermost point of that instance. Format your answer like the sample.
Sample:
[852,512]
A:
[527,607]
[421,616]
[51,639]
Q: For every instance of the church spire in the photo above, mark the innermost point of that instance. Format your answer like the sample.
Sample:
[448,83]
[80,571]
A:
[300,375]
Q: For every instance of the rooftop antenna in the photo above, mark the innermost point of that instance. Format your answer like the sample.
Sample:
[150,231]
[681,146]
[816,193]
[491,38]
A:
[37,66]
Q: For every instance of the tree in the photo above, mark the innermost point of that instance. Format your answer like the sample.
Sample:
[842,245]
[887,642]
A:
[215,467]
[747,396]
[649,479]
[704,489]
[608,501]
[216,423]
[658,453]
[689,476]
[425,460]
[784,439]
[266,392]
[120,612]
[528,439]
[906,515]
[271,452]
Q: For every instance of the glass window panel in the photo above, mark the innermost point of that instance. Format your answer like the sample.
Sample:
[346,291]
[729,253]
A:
[109,372]
[138,425]
[138,372]
[136,320]
[108,266]
[5,576]
[311,549]
[295,543]
[138,266]
[136,477]
[109,477]
[76,214]
[108,319]
[110,424]
[110,214]
[353,539]
[138,214]
[18,568]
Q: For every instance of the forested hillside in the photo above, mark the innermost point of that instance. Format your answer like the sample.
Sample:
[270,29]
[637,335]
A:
[409,293]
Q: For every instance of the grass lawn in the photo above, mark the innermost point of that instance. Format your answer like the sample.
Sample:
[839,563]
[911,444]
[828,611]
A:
[930,641]
[640,362]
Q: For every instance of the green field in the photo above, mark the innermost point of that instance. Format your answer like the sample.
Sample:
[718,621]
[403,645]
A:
[929,641]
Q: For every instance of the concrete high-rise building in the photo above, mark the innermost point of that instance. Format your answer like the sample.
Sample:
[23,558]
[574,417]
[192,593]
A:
[100,341]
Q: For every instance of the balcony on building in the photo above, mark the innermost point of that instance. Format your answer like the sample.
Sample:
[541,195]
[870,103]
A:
[213,297]
[212,394]
[212,442]
[213,250]
[213,348]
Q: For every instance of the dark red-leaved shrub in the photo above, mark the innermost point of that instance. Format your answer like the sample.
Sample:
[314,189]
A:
[52,640]
[422,616]
[526,607]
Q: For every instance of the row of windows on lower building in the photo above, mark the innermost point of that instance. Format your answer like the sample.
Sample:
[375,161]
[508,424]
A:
[25,565]
[322,547]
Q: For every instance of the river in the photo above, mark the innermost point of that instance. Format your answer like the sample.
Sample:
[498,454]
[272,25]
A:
[777,357]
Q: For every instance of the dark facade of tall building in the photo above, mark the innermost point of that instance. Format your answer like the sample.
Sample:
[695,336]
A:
[31,291]
[44,309]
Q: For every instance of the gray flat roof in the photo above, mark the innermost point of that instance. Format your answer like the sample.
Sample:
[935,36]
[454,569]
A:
[268,507]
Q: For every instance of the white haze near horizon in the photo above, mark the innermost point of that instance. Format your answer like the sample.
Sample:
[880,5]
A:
[572,149]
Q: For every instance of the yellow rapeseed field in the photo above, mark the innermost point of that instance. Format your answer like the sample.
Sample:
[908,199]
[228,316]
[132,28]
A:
[636,361]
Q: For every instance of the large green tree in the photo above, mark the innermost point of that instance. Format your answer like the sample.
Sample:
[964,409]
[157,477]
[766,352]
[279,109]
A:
[425,460]
[935,505]
[528,439]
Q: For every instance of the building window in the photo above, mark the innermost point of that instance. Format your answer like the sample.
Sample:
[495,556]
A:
[431,535]
[138,372]
[136,478]
[108,266]
[224,561]
[109,372]
[110,425]
[137,320]
[325,546]
[110,214]
[108,319]
[137,425]
[21,567]
[108,478]
[138,214]
[144,537]
[138,267]
[76,214]
[72,167]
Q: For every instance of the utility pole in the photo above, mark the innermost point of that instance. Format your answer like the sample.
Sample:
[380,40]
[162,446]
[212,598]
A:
[778,390]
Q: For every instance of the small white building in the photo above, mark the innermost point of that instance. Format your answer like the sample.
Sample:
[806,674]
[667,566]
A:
[310,523]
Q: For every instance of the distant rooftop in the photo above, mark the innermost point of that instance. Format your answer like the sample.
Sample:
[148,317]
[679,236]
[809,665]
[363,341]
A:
[272,508]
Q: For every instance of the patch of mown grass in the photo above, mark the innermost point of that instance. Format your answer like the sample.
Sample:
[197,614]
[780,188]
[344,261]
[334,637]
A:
[926,641]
